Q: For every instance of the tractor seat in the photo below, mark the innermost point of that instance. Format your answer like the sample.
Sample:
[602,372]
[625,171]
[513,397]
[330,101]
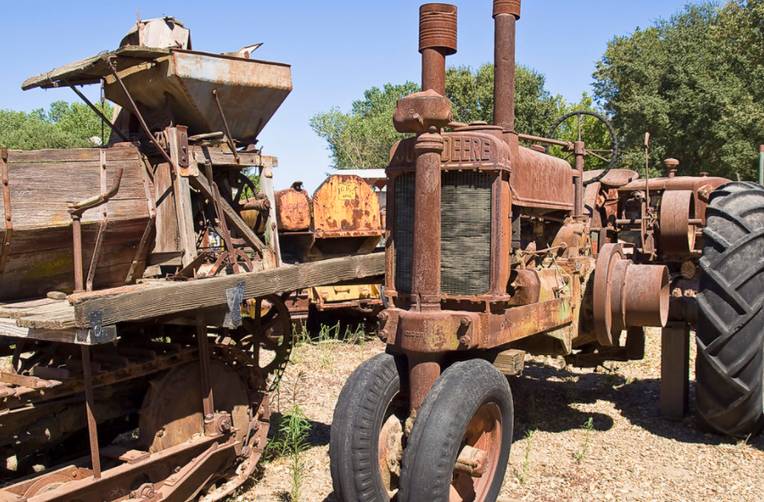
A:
[616,178]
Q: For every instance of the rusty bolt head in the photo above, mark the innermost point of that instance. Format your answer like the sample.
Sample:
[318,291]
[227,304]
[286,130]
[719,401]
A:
[671,167]
[420,111]
[437,27]
[511,7]
[224,424]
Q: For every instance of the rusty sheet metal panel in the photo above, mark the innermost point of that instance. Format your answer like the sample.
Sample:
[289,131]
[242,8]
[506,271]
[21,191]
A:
[293,209]
[178,89]
[346,206]
[541,181]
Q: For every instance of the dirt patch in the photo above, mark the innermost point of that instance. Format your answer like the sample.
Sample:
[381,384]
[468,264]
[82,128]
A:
[580,434]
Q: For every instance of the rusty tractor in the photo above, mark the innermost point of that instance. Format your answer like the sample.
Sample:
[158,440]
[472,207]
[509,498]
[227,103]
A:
[495,250]
[143,320]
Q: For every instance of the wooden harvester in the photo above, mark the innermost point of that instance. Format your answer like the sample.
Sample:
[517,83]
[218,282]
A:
[143,321]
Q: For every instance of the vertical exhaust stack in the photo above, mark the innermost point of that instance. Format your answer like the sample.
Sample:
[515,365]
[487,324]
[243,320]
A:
[437,39]
[505,14]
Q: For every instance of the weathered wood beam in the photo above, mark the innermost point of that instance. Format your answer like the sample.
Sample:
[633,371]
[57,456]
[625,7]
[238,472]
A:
[135,303]
[218,157]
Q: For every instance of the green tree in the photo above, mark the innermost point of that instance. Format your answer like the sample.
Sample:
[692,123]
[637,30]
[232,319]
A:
[692,81]
[363,137]
[63,125]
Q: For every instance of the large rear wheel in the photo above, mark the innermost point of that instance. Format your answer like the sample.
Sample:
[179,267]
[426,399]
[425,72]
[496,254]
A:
[730,330]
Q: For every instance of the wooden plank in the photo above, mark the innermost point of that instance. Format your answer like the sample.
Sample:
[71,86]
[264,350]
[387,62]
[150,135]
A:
[20,309]
[27,381]
[136,303]
[166,240]
[675,371]
[57,315]
[510,362]
[79,336]
[218,157]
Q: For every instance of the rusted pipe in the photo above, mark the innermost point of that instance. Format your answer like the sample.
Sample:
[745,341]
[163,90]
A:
[426,265]
[437,39]
[424,369]
[505,15]
[208,403]
[645,296]
[578,179]
[87,374]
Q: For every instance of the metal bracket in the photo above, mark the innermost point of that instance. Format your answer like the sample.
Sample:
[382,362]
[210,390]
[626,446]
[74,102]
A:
[97,333]
[5,179]
[234,298]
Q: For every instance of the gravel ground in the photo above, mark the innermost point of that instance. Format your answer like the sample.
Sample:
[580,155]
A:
[626,452]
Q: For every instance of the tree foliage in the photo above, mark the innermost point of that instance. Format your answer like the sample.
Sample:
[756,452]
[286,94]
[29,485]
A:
[63,125]
[363,137]
[694,82]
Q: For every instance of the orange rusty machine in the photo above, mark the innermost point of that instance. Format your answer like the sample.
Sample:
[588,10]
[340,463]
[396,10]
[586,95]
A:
[343,218]
[495,250]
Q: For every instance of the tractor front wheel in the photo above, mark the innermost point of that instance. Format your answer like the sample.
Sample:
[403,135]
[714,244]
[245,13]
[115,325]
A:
[367,432]
[459,446]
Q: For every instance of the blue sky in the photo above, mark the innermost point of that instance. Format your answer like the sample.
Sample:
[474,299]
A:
[337,49]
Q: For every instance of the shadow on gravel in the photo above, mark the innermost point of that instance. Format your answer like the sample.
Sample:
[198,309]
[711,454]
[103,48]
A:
[543,397]
[318,435]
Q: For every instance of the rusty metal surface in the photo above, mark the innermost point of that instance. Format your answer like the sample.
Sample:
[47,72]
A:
[615,178]
[419,112]
[512,7]
[627,295]
[541,181]
[677,232]
[345,206]
[425,272]
[249,91]
[437,39]
[293,209]
[506,14]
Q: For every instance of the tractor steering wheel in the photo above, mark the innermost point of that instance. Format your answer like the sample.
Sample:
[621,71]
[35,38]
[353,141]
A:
[608,156]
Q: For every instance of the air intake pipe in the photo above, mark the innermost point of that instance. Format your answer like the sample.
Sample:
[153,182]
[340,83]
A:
[505,15]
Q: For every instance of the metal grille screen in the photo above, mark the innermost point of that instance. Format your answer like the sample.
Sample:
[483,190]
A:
[465,232]
[403,231]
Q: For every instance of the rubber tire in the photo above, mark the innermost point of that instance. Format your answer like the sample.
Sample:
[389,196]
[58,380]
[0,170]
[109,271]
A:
[440,425]
[730,328]
[357,420]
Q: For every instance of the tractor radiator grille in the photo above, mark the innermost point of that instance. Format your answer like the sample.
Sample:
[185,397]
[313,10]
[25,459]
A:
[403,231]
[465,222]
[465,232]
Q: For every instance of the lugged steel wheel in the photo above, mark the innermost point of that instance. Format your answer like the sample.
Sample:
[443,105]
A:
[730,330]
[459,446]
